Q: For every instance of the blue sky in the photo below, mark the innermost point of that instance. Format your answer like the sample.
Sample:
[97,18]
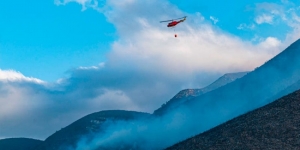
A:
[45,40]
[63,59]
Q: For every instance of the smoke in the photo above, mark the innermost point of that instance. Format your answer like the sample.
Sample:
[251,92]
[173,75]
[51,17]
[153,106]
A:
[153,133]
[254,90]
[145,67]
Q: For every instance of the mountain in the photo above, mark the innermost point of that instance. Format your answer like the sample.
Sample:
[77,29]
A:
[188,94]
[87,126]
[257,88]
[69,136]
[18,144]
[196,113]
[274,126]
[201,112]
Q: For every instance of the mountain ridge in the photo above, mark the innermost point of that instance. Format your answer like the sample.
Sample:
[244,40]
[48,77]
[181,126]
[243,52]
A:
[187,94]
[273,126]
[260,85]
[254,90]
[68,136]
[18,143]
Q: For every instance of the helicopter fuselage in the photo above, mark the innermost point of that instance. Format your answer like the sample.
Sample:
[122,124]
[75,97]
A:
[173,23]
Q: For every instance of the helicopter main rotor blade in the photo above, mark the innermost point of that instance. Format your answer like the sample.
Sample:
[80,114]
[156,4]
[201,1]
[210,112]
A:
[172,19]
[180,18]
[166,21]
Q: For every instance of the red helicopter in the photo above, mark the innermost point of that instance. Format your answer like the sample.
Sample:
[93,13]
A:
[174,22]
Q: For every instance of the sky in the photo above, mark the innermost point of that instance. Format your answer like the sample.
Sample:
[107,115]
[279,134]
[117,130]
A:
[63,59]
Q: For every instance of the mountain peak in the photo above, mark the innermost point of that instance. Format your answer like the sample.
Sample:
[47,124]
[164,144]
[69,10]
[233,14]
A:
[186,94]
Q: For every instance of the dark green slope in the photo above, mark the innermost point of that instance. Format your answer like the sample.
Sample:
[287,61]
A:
[18,144]
[86,127]
[274,126]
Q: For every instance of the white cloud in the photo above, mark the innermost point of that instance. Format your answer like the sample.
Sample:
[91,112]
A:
[84,3]
[244,26]
[270,7]
[264,18]
[271,43]
[22,103]
[199,15]
[196,49]
[295,17]
[281,15]
[146,66]
[12,76]
[112,100]
[269,12]
[42,110]
[101,65]
[214,19]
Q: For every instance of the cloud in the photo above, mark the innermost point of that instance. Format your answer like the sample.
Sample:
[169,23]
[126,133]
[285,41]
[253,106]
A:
[269,7]
[84,3]
[244,26]
[264,18]
[43,108]
[145,67]
[14,76]
[21,101]
[101,65]
[269,12]
[214,19]
[293,18]
[282,18]
[270,43]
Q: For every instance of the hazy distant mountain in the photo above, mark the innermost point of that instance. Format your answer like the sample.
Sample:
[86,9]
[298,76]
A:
[18,144]
[85,127]
[188,94]
[274,126]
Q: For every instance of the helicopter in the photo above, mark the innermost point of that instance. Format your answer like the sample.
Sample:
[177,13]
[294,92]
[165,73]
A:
[174,22]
